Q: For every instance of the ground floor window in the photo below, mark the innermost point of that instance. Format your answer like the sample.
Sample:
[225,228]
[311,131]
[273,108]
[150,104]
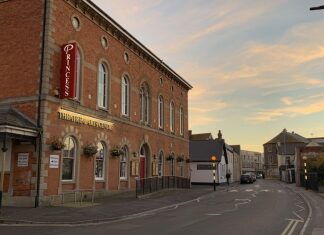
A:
[123,164]
[100,160]
[69,156]
[160,164]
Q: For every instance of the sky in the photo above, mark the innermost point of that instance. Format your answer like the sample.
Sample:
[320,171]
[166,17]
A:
[256,66]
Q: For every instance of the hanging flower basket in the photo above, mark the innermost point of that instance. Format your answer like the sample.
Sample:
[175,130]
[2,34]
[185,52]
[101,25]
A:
[90,150]
[188,160]
[116,152]
[170,158]
[180,158]
[56,144]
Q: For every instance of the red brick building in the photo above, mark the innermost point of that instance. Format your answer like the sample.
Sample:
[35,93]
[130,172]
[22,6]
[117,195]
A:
[122,99]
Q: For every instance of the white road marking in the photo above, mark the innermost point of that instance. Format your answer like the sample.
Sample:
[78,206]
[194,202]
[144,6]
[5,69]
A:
[257,186]
[214,214]
[280,191]
[290,228]
[248,190]
[233,191]
[265,190]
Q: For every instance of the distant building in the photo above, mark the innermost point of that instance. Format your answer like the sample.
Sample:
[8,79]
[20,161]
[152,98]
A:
[201,136]
[251,162]
[279,153]
[201,148]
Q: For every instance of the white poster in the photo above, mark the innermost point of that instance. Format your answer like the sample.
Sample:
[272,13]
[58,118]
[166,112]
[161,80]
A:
[54,161]
[22,159]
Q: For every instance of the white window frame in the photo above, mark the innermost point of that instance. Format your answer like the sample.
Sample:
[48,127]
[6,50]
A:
[161,112]
[66,148]
[181,121]
[161,164]
[172,117]
[144,104]
[102,86]
[123,164]
[103,160]
[125,96]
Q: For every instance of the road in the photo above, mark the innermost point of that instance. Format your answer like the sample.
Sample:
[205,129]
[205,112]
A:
[265,207]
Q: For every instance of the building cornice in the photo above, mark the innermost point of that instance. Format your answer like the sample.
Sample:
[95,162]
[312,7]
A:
[104,21]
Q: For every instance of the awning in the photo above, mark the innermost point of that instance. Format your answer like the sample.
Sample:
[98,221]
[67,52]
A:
[15,124]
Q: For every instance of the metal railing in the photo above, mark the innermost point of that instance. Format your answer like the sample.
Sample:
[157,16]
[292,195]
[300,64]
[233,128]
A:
[154,184]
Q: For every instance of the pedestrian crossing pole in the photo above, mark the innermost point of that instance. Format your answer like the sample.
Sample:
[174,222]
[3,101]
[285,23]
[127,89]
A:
[214,158]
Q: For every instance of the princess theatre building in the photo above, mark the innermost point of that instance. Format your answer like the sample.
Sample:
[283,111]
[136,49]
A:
[73,81]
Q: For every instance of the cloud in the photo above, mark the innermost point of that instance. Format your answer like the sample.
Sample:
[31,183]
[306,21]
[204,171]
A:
[292,111]
[286,100]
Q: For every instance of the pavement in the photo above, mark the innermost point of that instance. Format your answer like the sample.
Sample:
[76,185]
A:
[111,208]
[117,206]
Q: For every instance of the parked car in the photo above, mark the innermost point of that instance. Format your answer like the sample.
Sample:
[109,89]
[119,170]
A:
[246,178]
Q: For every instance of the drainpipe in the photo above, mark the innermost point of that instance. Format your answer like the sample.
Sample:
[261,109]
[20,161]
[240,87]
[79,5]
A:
[39,125]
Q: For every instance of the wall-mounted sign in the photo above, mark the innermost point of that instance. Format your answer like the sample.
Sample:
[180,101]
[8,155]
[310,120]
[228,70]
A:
[54,161]
[68,70]
[22,160]
[83,119]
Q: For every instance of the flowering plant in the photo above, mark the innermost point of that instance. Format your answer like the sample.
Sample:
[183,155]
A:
[180,158]
[116,152]
[170,157]
[57,144]
[90,150]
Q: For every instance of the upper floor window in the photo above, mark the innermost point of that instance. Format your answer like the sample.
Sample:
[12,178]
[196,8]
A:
[102,86]
[160,112]
[69,157]
[78,76]
[144,104]
[172,117]
[100,160]
[181,121]
[125,96]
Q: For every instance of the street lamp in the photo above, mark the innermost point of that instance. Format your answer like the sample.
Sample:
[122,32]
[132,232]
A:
[214,159]
[305,171]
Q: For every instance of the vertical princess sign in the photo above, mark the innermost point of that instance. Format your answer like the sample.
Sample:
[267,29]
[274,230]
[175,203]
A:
[68,70]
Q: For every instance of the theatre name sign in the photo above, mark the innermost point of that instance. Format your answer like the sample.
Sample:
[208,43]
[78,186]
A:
[84,119]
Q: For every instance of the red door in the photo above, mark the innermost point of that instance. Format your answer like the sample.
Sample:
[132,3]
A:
[142,167]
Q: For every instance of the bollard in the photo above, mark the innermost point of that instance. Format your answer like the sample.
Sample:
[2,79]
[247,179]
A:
[0,200]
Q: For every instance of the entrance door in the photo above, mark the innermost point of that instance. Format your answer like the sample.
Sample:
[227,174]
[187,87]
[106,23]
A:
[142,167]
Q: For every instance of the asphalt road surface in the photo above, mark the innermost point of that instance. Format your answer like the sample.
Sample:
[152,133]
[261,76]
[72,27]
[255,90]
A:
[263,208]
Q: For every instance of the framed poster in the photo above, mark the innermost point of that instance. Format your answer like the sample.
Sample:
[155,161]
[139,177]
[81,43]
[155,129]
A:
[54,161]
[134,168]
[22,160]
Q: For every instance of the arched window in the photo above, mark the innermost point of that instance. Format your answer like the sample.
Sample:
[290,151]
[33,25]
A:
[123,164]
[161,112]
[69,158]
[173,164]
[102,86]
[125,96]
[100,161]
[145,104]
[78,76]
[181,121]
[160,164]
[172,117]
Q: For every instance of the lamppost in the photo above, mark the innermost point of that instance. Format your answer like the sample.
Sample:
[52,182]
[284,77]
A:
[305,172]
[214,159]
